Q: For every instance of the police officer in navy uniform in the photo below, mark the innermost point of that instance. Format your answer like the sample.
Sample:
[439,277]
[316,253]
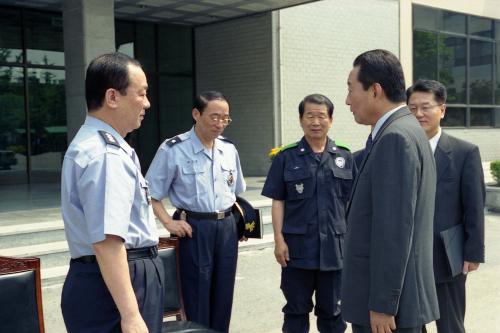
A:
[200,172]
[114,283]
[309,182]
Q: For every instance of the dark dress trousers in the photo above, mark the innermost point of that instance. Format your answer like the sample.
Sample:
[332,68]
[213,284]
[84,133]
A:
[388,252]
[460,196]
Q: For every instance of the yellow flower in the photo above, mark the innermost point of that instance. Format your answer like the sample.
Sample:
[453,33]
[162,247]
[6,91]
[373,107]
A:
[274,151]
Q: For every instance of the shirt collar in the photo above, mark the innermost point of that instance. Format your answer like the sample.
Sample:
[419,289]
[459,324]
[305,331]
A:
[101,125]
[197,145]
[383,119]
[435,139]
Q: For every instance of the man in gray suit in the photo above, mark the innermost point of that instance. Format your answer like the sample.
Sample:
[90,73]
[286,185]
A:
[387,281]
[459,202]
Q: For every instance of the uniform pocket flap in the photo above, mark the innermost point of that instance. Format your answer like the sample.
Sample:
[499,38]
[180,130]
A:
[295,174]
[342,173]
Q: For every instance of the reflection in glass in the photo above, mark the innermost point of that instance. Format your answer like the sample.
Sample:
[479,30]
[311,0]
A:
[124,37]
[10,36]
[12,126]
[480,26]
[481,72]
[175,49]
[481,117]
[453,22]
[497,66]
[425,18]
[454,117]
[424,55]
[452,66]
[175,98]
[146,46]
[48,122]
[44,38]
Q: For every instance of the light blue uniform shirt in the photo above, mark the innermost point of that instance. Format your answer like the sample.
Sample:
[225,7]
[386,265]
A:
[195,178]
[103,192]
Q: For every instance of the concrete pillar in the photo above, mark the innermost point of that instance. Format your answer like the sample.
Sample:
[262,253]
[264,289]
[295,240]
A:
[89,30]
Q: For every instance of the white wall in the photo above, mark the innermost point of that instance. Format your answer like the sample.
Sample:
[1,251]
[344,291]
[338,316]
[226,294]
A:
[318,43]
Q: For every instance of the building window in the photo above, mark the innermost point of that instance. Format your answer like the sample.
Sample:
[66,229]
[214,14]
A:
[463,52]
[166,54]
[32,98]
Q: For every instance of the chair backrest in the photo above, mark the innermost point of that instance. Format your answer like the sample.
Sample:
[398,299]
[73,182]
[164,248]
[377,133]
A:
[168,250]
[20,295]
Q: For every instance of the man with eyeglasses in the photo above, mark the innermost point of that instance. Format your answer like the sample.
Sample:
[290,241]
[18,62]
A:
[309,182]
[459,203]
[200,172]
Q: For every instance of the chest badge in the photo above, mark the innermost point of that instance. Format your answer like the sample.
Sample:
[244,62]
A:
[340,162]
[299,188]
[230,179]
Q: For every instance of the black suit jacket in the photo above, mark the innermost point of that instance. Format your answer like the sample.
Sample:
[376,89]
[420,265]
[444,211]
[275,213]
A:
[388,252]
[460,195]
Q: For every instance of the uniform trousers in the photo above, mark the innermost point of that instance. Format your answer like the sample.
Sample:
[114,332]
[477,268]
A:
[451,299]
[366,329]
[208,271]
[87,305]
[298,286]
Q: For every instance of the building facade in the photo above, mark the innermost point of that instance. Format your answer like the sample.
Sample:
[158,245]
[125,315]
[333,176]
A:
[263,57]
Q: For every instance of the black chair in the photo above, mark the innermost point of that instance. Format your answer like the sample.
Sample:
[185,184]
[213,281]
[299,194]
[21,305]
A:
[20,295]
[168,250]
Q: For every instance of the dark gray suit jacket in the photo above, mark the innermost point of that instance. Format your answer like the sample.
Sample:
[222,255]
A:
[459,200]
[388,252]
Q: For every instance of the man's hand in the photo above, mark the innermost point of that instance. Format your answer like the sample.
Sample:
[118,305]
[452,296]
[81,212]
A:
[179,227]
[381,322]
[131,324]
[469,267]
[281,252]
[243,239]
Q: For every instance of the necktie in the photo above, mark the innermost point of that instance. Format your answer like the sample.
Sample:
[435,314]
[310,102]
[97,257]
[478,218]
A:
[369,144]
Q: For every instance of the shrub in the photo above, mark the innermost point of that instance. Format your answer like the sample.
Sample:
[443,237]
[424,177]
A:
[495,170]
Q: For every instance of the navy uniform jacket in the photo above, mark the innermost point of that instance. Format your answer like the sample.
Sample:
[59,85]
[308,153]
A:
[315,191]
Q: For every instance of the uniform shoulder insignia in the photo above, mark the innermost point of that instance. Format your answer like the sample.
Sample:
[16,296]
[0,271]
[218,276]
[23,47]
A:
[220,137]
[109,139]
[172,141]
[342,145]
[288,146]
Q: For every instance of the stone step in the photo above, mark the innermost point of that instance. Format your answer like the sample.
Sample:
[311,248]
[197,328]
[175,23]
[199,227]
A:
[54,255]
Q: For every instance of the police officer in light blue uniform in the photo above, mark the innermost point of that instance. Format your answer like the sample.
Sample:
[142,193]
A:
[114,283]
[200,172]
[309,182]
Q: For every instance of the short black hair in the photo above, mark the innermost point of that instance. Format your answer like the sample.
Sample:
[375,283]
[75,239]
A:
[104,72]
[382,67]
[316,99]
[428,86]
[201,101]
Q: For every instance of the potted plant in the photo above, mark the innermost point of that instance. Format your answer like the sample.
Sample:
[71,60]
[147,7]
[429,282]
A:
[493,189]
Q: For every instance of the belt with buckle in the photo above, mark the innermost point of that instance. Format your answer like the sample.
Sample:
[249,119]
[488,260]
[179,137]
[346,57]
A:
[204,216]
[132,254]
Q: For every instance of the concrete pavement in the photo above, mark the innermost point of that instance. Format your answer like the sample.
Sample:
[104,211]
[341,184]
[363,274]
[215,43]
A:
[258,299]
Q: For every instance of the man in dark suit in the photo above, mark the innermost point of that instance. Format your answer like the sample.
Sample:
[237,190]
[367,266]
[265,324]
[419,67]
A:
[387,281]
[459,201]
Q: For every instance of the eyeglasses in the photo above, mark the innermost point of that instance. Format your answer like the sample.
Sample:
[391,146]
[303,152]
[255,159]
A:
[215,118]
[425,108]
